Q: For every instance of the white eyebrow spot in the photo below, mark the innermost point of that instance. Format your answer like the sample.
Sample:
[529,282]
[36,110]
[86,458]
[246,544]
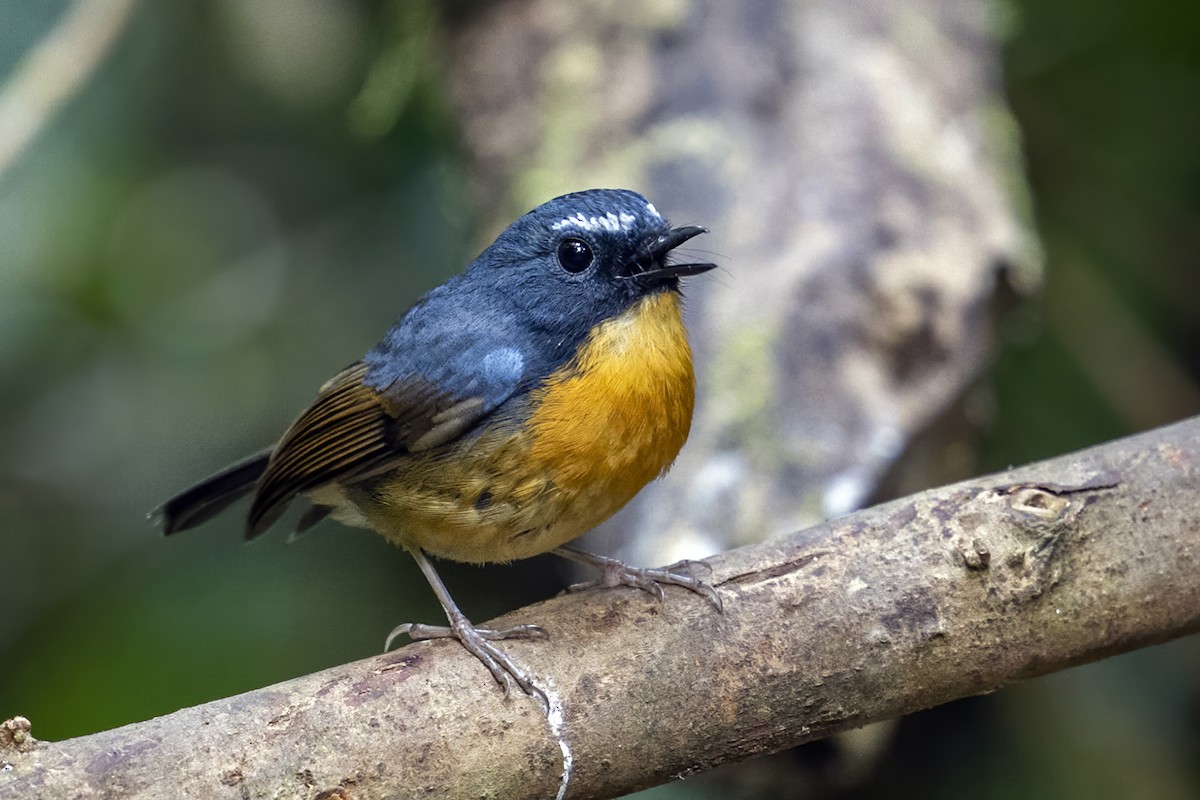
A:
[653,211]
[613,223]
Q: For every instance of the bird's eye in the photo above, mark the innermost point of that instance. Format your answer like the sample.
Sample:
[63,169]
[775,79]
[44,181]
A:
[575,255]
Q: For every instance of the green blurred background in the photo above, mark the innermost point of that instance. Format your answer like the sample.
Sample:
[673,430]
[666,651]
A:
[245,195]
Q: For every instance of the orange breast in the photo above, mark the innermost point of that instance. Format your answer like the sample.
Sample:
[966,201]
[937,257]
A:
[614,419]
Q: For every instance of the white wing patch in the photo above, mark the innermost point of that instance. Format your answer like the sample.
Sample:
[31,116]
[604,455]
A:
[503,366]
[613,223]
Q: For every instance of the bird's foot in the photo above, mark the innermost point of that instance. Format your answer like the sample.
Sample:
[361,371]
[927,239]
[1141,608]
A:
[478,642]
[648,579]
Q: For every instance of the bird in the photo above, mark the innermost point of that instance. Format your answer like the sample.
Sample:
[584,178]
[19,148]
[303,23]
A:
[510,410]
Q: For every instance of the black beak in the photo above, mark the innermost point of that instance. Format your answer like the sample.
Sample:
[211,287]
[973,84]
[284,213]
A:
[650,263]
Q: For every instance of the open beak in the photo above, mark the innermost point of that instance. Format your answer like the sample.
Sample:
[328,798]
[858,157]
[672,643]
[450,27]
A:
[651,263]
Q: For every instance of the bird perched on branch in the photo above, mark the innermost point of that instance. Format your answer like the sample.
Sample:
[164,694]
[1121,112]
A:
[510,410]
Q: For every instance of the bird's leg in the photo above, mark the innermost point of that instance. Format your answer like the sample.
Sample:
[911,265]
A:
[477,641]
[616,573]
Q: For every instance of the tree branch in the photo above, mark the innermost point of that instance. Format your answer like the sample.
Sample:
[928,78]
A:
[944,594]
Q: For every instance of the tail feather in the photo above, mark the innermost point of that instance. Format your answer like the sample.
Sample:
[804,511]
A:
[197,504]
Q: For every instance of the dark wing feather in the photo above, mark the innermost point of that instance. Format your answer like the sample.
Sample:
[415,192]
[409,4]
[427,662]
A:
[351,428]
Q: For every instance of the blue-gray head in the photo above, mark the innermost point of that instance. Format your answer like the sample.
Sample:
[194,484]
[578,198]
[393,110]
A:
[584,257]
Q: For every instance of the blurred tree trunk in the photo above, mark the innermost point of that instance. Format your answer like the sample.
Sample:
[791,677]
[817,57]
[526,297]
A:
[862,180]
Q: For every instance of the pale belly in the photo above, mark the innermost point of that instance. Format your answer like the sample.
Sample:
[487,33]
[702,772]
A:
[478,509]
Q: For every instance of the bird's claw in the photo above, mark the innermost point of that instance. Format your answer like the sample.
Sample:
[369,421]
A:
[649,579]
[478,642]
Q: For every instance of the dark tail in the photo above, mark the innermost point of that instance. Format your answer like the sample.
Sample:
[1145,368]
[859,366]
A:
[211,496]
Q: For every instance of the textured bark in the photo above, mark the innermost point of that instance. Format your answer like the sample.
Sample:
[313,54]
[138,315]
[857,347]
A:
[952,592]
[862,180]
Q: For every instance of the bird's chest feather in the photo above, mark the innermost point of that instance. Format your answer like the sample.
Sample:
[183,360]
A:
[616,416]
